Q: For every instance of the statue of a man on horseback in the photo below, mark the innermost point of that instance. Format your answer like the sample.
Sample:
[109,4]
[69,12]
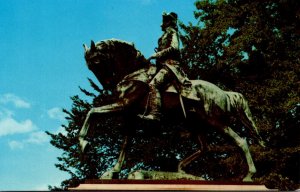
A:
[167,61]
[120,66]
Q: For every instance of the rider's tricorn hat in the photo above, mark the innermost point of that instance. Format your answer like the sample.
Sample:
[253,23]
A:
[172,17]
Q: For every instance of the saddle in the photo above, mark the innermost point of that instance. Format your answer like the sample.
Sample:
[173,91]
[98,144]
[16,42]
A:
[184,87]
[179,85]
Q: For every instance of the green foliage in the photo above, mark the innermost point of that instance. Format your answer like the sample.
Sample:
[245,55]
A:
[243,45]
[72,161]
[253,47]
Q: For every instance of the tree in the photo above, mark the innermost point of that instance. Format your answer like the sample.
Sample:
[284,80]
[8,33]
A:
[90,165]
[252,47]
[243,45]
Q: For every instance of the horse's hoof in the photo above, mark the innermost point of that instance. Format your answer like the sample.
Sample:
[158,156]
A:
[181,171]
[136,175]
[247,179]
[110,175]
[107,175]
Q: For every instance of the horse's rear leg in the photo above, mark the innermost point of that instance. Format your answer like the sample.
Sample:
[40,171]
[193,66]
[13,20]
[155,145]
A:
[182,164]
[242,143]
[246,118]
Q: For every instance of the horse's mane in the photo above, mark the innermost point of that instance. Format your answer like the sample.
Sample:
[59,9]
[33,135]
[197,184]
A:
[115,57]
[111,45]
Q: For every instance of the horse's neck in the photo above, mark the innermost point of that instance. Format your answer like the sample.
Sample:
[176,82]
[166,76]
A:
[133,84]
[124,68]
[139,75]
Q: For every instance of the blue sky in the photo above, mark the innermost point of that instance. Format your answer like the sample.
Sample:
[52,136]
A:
[42,66]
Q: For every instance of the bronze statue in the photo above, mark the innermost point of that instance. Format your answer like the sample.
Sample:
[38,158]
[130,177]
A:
[117,64]
[167,61]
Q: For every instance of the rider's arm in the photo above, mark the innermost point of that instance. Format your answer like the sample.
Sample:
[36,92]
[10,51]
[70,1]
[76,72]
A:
[172,48]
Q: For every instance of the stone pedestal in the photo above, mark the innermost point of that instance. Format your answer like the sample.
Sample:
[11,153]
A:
[167,185]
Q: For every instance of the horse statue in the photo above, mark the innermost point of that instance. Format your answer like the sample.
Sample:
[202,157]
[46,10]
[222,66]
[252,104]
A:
[119,65]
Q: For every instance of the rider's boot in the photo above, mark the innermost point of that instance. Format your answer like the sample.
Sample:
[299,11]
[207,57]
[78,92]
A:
[155,105]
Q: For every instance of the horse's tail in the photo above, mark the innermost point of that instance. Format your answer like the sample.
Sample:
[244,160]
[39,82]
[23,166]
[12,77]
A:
[246,116]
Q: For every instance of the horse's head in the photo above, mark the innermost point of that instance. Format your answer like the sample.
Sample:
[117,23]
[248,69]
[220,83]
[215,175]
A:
[111,60]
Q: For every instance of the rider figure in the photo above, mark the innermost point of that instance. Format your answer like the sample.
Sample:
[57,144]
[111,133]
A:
[167,61]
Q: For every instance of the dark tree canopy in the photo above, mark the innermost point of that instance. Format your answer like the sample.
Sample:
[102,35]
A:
[253,47]
[243,45]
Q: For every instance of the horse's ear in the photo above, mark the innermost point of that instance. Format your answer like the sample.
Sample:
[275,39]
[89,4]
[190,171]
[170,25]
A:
[85,47]
[93,46]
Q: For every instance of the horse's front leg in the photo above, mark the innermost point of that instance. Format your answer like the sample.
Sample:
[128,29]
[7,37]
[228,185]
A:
[202,143]
[115,107]
[113,173]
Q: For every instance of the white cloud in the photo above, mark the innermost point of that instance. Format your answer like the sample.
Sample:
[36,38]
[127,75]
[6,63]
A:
[16,145]
[5,113]
[15,100]
[10,126]
[37,137]
[56,113]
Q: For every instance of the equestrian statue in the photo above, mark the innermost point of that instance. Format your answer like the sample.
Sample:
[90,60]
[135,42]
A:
[151,92]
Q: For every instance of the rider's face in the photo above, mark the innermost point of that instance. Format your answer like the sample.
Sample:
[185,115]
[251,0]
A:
[164,25]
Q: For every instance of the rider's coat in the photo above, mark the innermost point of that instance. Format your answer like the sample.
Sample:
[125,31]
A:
[168,46]
[168,54]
